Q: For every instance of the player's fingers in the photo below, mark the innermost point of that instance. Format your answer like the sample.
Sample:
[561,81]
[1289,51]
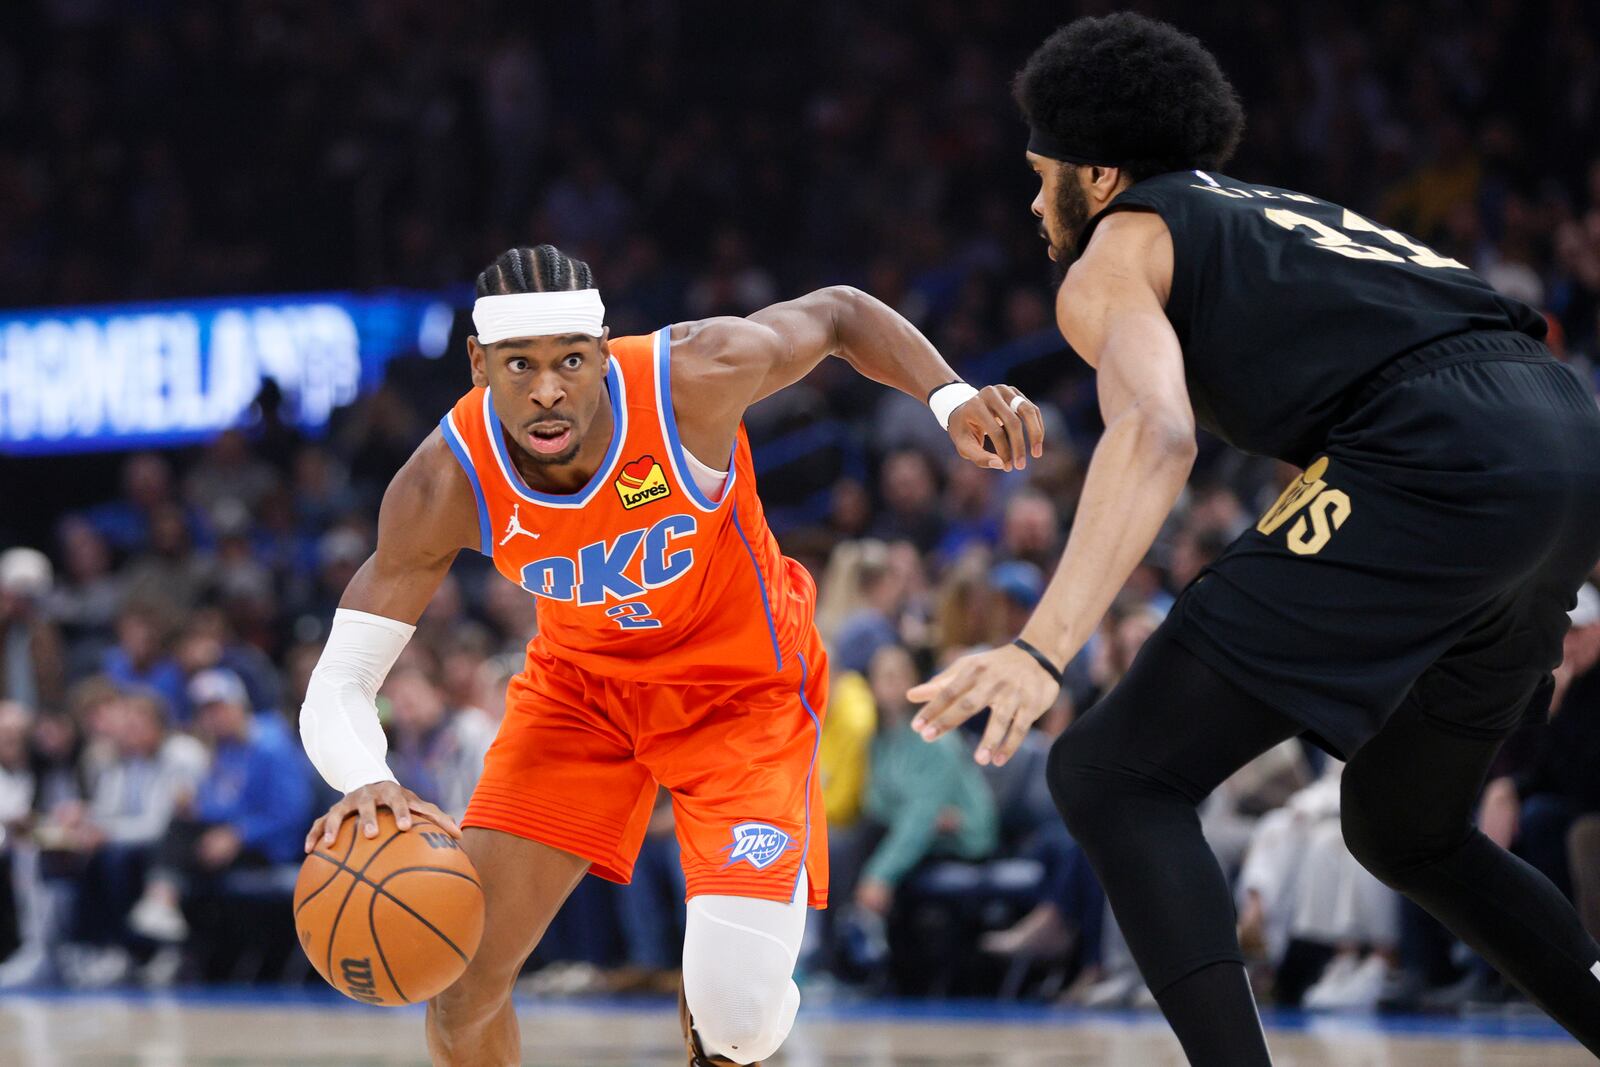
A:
[400,804]
[994,427]
[367,812]
[436,816]
[921,694]
[313,833]
[994,732]
[1016,444]
[955,683]
[969,446]
[330,822]
[955,713]
[1033,419]
[1015,734]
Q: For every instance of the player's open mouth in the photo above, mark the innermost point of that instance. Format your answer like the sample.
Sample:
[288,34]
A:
[548,438]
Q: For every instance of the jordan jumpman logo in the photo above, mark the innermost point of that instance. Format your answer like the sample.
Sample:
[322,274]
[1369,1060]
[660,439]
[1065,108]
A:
[514,527]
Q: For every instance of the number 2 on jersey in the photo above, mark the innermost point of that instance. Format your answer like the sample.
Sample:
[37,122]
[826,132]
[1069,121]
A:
[634,615]
[1333,240]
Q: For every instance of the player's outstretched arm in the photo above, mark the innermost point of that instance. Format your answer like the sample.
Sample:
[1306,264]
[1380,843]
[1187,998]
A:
[1111,311]
[727,364]
[427,515]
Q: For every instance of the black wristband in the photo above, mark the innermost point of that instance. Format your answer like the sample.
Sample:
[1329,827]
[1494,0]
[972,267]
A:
[1040,658]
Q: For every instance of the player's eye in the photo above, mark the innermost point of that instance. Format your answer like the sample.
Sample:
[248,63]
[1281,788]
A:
[516,365]
[573,361]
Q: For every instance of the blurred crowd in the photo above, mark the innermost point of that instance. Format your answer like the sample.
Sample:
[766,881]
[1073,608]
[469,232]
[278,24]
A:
[155,645]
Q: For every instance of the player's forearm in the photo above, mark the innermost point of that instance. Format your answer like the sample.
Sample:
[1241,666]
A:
[339,724]
[1137,471]
[883,345]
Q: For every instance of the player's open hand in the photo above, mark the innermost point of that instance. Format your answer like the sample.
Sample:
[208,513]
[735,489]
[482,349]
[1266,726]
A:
[1008,419]
[364,804]
[1006,680]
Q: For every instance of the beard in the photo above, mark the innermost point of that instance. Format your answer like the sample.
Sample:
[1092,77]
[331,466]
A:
[1069,215]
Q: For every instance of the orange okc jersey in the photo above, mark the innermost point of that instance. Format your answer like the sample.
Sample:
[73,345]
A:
[639,575]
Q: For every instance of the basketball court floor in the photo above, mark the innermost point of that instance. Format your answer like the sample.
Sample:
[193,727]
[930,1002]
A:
[227,1029]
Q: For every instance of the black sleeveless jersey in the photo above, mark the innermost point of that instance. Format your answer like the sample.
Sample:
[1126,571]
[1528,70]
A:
[1285,304]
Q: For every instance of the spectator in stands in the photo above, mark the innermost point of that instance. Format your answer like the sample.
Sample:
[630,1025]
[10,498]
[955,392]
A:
[86,603]
[859,603]
[969,509]
[229,470]
[33,656]
[131,803]
[172,574]
[1031,530]
[207,641]
[1194,549]
[146,487]
[1327,927]
[251,809]
[909,485]
[1015,587]
[433,750]
[931,800]
[139,659]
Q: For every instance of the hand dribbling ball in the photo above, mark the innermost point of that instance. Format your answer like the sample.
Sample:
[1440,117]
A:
[392,919]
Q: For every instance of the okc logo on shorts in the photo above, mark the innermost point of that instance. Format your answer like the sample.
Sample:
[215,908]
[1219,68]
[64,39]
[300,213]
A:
[757,844]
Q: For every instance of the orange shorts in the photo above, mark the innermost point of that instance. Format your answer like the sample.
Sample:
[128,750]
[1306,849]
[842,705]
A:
[578,757]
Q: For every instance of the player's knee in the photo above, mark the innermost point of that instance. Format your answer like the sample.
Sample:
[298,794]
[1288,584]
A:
[1375,829]
[1072,787]
[740,1014]
[473,999]
[1079,793]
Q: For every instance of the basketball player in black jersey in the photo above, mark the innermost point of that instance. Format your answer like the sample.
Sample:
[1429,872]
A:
[1404,601]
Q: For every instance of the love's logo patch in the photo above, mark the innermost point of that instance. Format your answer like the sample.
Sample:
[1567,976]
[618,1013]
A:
[641,482]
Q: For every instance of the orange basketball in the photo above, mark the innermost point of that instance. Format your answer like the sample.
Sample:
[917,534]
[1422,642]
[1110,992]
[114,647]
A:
[392,919]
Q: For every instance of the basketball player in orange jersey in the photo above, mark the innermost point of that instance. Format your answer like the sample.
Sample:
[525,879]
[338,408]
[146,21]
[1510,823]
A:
[612,479]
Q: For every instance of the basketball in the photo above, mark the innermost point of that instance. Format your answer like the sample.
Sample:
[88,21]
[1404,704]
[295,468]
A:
[392,919]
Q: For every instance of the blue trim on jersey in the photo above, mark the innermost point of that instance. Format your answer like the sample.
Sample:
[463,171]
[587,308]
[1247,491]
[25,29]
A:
[816,746]
[766,602]
[619,432]
[453,439]
[669,422]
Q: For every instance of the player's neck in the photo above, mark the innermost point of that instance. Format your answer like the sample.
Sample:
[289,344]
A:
[570,477]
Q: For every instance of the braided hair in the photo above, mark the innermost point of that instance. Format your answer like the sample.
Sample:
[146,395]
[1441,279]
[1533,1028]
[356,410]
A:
[541,269]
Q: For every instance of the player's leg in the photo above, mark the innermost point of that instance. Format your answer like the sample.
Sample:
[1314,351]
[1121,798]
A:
[738,972]
[1127,777]
[1408,802]
[524,885]
[561,793]
[748,810]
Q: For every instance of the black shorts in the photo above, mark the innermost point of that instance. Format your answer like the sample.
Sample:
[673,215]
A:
[1434,550]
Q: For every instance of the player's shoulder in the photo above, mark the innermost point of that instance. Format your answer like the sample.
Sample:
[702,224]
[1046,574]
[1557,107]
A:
[702,348]
[1124,244]
[432,493]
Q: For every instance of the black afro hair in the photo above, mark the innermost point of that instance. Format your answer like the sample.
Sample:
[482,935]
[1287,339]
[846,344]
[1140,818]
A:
[1133,92]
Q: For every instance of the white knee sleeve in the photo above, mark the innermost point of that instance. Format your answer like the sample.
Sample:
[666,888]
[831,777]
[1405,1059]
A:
[738,972]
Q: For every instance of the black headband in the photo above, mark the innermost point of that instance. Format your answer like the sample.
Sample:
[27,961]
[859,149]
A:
[1042,143]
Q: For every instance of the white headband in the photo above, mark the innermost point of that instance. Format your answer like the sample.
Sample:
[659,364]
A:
[538,314]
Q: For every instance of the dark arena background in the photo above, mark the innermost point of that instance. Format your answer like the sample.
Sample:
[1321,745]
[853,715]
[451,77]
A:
[237,242]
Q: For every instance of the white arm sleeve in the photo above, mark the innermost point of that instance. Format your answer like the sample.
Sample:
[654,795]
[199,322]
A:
[339,720]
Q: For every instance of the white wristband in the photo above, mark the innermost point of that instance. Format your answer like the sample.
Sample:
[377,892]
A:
[339,720]
[947,398]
